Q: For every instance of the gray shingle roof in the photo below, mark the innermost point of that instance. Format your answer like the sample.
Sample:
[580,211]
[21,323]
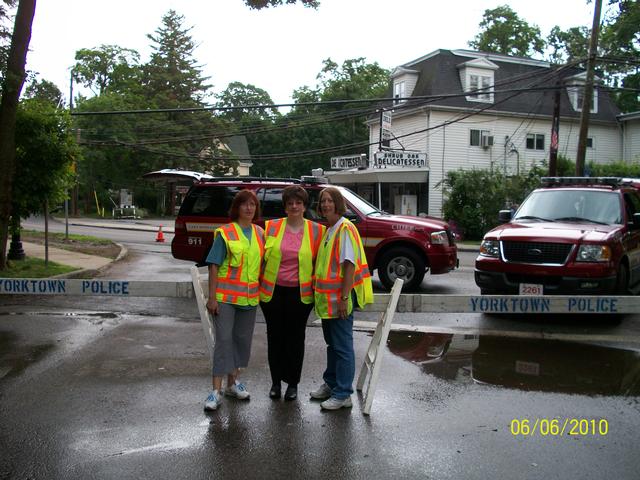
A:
[438,74]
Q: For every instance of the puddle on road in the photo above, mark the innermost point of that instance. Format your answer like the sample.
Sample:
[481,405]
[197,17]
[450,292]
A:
[521,363]
[15,357]
[105,315]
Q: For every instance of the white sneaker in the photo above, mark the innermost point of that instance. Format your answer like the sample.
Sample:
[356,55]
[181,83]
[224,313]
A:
[336,403]
[322,392]
[237,390]
[213,400]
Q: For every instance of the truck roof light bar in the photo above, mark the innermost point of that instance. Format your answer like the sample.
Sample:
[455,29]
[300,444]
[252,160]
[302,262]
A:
[250,179]
[570,181]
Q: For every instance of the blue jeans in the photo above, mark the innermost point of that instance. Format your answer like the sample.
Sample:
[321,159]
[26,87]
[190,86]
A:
[341,358]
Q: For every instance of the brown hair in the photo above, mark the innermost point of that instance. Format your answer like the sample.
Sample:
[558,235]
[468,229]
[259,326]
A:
[241,197]
[295,192]
[337,198]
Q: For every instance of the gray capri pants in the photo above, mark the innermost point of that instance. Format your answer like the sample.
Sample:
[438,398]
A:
[234,333]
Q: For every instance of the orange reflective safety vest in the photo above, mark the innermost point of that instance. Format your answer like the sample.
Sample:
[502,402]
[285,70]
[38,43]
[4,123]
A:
[311,237]
[329,274]
[239,274]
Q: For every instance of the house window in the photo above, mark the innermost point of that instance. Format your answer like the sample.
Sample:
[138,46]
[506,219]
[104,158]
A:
[480,138]
[576,96]
[480,82]
[399,91]
[589,142]
[535,141]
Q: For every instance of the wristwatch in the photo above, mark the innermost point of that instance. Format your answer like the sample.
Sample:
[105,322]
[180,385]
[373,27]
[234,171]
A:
[344,298]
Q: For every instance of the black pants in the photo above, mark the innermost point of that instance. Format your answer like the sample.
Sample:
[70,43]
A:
[286,318]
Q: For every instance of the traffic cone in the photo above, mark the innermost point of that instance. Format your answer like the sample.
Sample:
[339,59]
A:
[160,236]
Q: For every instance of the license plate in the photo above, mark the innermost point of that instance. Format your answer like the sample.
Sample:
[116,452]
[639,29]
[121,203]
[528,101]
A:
[528,368]
[531,289]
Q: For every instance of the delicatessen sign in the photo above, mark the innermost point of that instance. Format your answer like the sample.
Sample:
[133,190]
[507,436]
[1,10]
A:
[400,158]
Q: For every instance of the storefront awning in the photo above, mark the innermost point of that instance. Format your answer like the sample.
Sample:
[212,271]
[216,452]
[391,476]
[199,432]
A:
[378,175]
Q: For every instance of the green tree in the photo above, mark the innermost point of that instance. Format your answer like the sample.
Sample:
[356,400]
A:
[309,127]
[45,150]
[618,49]
[172,77]
[107,68]
[503,31]
[260,4]
[238,94]
[12,83]
[568,45]
[45,91]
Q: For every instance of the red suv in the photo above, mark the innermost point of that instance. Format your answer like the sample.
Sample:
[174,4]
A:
[397,246]
[575,235]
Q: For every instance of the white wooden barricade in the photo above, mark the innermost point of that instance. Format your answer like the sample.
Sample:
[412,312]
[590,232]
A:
[200,290]
[373,356]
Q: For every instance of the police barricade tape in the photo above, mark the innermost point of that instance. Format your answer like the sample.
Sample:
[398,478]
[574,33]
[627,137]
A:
[407,303]
[423,303]
[91,287]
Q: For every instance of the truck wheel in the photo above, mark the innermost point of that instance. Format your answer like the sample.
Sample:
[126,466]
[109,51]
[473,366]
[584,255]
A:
[404,263]
[622,282]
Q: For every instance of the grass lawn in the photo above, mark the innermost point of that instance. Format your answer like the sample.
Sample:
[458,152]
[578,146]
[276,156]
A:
[34,268]
[78,243]
[59,237]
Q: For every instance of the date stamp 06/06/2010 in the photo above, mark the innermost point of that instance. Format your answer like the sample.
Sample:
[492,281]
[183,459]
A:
[528,427]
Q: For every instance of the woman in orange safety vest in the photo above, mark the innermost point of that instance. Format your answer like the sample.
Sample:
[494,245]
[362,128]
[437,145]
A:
[341,279]
[234,272]
[286,295]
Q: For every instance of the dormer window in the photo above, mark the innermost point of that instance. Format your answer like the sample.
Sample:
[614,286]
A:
[399,91]
[576,97]
[482,83]
[477,79]
[575,90]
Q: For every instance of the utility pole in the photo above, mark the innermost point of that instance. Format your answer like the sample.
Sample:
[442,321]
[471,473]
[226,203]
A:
[587,98]
[555,131]
[380,132]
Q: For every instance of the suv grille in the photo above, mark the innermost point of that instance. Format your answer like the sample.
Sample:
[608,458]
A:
[536,252]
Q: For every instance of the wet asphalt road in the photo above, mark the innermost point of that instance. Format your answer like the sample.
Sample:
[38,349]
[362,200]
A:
[120,396]
[106,388]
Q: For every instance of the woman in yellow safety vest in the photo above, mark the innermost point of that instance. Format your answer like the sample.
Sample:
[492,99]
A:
[341,277]
[234,272]
[286,295]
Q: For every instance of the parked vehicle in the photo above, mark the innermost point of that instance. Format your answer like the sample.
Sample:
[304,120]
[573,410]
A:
[575,235]
[397,246]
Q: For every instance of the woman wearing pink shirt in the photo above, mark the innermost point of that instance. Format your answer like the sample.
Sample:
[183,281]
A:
[286,295]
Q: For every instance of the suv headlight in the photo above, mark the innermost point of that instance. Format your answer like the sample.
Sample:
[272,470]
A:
[490,248]
[593,253]
[439,238]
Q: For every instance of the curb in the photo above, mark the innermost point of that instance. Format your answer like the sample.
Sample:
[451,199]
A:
[92,272]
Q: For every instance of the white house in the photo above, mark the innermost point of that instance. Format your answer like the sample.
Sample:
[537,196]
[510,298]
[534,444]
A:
[467,109]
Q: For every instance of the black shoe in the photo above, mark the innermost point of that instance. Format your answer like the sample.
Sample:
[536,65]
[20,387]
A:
[291,393]
[275,391]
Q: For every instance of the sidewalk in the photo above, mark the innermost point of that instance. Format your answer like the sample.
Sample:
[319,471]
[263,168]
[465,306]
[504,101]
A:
[87,264]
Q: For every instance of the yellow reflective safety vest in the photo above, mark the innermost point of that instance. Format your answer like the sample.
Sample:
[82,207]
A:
[329,273]
[311,237]
[239,274]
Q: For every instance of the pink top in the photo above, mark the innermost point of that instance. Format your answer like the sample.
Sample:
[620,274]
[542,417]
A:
[289,248]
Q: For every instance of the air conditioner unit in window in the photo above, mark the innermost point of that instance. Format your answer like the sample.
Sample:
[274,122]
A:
[486,141]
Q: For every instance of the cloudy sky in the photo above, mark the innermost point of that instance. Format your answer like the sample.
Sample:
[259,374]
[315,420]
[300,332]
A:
[278,49]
